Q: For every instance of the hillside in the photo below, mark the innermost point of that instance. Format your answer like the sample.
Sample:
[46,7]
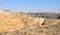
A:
[11,21]
[19,23]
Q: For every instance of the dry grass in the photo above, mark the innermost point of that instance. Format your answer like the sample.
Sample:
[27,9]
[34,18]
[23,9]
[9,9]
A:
[52,21]
[10,22]
[14,24]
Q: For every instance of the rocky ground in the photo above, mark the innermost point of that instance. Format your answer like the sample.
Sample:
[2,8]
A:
[38,30]
[12,23]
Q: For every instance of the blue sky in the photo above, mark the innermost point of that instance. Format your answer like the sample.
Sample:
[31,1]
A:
[30,5]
